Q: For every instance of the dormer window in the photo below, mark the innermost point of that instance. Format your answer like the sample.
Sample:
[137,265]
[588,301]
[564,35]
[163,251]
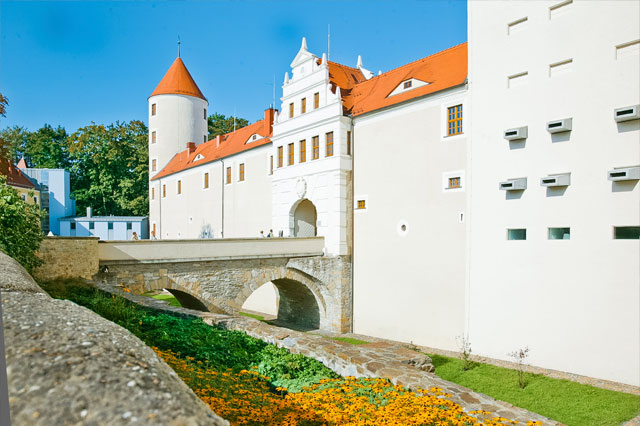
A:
[407,84]
[253,137]
[410,84]
[198,158]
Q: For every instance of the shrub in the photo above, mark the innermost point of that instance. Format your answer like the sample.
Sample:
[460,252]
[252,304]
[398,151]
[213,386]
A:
[20,233]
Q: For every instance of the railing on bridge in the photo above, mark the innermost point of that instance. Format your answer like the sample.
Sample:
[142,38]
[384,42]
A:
[147,251]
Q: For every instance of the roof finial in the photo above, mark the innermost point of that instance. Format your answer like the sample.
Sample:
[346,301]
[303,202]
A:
[304,44]
[359,65]
[178,46]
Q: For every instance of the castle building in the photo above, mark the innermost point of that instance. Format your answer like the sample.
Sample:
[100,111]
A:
[488,191]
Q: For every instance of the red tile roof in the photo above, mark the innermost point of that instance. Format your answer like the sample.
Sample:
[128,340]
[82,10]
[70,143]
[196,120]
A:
[178,81]
[14,176]
[442,70]
[221,147]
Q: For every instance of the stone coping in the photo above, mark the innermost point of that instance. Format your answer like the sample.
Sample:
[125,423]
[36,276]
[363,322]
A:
[395,362]
[58,237]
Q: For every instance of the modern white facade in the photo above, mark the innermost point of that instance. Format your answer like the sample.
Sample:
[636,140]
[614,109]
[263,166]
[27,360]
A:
[501,204]
[575,301]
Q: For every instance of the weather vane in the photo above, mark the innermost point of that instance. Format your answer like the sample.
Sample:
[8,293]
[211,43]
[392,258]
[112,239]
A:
[178,46]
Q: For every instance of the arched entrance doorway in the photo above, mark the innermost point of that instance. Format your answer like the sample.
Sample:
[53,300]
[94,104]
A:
[304,220]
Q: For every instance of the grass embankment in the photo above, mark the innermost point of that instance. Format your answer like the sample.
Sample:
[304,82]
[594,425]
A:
[169,298]
[571,403]
[245,380]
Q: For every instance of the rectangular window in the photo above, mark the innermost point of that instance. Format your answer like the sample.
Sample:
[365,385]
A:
[626,232]
[280,156]
[110,225]
[153,165]
[559,233]
[454,182]
[205,114]
[73,226]
[164,190]
[303,150]
[179,187]
[362,204]
[228,175]
[129,225]
[153,193]
[348,142]
[316,100]
[291,110]
[329,140]
[92,226]
[303,106]
[315,143]
[204,138]
[290,153]
[205,183]
[517,234]
[454,120]
[407,84]
[271,165]
[153,229]
[241,172]
[153,137]
[153,109]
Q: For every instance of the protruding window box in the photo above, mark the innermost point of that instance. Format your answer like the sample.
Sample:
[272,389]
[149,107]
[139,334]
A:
[516,133]
[627,113]
[624,173]
[518,184]
[559,126]
[556,180]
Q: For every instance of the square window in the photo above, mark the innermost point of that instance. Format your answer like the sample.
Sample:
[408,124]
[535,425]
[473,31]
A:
[626,232]
[517,234]
[407,84]
[361,204]
[454,182]
[559,233]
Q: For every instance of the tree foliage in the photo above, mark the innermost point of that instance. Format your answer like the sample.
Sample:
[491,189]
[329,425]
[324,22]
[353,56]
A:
[20,233]
[220,125]
[109,168]
[3,105]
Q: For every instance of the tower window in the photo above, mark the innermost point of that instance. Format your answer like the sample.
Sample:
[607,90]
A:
[303,106]
[291,110]
[205,113]
[153,137]
[153,165]
[228,175]
[329,148]
[303,150]
[316,100]
[241,172]
[454,120]
[290,151]
[280,156]
[315,141]
[153,109]
[204,138]
[205,183]
[348,142]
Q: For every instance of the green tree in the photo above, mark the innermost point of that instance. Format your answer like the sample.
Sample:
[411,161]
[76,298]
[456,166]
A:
[3,105]
[20,233]
[219,124]
[14,142]
[109,168]
[47,148]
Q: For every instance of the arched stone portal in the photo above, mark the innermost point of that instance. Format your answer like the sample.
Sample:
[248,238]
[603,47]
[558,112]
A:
[188,301]
[304,219]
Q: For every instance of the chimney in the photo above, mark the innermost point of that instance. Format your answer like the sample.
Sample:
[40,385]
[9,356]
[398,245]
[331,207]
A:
[218,140]
[191,147]
[268,120]
[88,211]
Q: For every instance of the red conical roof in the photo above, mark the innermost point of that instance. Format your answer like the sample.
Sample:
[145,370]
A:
[178,81]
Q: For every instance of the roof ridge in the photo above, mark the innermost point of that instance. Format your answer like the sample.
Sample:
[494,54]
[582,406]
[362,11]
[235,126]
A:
[343,65]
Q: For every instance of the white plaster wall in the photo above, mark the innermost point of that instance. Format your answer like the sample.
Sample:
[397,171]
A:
[573,303]
[247,205]
[409,286]
[265,299]
[179,119]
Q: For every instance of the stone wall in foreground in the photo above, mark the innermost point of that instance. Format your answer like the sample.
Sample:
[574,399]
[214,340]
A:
[67,365]
[67,257]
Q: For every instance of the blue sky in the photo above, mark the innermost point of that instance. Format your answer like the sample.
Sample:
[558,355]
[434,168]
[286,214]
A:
[70,63]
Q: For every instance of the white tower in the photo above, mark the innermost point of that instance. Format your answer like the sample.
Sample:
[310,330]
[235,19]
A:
[177,115]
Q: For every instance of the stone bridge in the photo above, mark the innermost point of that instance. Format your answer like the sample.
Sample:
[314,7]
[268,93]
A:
[219,275]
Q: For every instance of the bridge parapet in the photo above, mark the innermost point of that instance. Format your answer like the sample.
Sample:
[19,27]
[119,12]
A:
[161,251]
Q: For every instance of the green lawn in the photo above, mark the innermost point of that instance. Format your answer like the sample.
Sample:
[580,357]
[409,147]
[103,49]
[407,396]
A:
[568,402]
[350,340]
[168,298]
[254,316]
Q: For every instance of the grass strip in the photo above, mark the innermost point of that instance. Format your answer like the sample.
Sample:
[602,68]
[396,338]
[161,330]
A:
[571,403]
[350,340]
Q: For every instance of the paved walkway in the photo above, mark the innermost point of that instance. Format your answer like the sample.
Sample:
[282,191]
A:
[393,361]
